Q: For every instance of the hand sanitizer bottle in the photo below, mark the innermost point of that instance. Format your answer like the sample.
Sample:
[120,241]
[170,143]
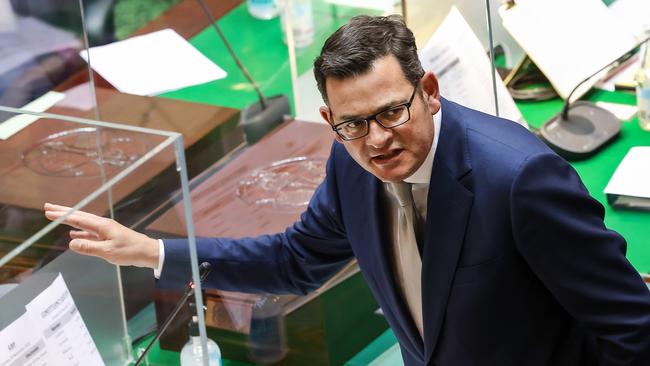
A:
[192,352]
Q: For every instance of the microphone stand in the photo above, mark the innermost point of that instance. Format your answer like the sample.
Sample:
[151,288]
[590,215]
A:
[567,103]
[204,270]
[258,118]
[579,134]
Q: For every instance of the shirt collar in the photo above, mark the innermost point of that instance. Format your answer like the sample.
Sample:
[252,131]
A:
[423,173]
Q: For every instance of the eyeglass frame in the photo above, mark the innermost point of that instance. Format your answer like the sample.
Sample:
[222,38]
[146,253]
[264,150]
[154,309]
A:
[374,118]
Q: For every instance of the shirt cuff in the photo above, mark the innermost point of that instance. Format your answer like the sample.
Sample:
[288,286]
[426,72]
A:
[161,259]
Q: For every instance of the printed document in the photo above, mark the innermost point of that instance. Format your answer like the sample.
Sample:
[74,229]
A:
[20,345]
[459,61]
[50,332]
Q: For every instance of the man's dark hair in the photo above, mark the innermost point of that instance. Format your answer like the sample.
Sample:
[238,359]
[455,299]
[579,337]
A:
[353,48]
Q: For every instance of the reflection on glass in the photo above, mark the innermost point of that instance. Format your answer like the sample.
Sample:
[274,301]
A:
[74,153]
[39,46]
[286,185]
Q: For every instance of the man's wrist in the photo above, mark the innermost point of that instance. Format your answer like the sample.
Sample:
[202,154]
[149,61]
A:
[151,253]
[161,259]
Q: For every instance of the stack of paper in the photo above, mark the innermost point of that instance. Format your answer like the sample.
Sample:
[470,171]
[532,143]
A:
[50,332]
[630,184]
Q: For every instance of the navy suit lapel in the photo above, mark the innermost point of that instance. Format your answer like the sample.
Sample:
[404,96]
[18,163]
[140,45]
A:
[448,207]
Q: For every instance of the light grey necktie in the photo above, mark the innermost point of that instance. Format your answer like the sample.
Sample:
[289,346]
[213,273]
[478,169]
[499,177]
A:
[408,263]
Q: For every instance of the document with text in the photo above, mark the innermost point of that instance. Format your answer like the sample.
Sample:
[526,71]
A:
[459,61]
[50,332]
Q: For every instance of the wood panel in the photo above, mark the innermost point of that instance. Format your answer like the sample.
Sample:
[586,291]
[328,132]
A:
[218,211]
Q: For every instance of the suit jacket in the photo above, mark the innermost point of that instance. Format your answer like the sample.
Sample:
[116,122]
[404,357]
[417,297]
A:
[518,267]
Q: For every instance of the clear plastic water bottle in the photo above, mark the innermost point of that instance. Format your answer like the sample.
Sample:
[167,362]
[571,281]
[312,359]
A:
[643,90]
[192,352]
[263,9]
[302,22]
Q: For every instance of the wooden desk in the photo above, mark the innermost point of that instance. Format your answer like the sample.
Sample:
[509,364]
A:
[218,212]
[24,187]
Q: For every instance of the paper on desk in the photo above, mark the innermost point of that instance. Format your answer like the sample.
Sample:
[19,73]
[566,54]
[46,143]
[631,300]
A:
[459,61]
[55,315]
[20,345]
[636,13]
[568,40]
[152,64]
[632,177]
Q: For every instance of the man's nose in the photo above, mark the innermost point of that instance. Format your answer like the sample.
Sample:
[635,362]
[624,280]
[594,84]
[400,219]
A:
[378,136]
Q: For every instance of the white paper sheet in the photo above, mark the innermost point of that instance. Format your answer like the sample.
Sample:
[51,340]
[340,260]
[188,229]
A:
[636,13]
[632,177]
[152,64]
[568,40]
[459,61]
[54,314]
[20,345]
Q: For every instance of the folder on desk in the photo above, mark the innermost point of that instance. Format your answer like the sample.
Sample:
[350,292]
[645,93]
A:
[568,40]
[629,187]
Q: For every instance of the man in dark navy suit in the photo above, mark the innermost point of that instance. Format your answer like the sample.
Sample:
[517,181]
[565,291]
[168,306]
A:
[498,255]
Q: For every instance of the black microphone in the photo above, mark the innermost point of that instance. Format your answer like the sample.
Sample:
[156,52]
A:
[257,118]
[204,271]
[582,127]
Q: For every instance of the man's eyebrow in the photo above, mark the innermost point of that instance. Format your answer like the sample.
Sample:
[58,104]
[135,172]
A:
[381,108]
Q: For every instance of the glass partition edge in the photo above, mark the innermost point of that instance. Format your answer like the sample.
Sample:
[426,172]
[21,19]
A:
[106,186]
[91,122]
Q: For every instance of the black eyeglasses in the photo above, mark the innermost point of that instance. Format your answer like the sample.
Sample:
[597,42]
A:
[388,118]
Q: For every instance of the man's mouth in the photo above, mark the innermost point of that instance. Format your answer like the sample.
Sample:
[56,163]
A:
[387,157]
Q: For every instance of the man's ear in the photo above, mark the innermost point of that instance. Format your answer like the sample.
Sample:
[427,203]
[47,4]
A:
[432,92]
[325,114]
